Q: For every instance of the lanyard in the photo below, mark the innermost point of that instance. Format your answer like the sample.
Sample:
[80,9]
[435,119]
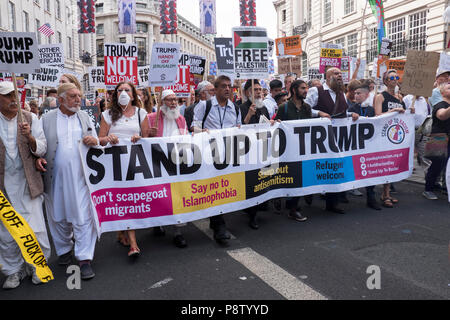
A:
[365,111]
[222,119]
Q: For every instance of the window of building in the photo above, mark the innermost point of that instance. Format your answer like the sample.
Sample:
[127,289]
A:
[36,1]
[372,50]
[58,9]
[141,27]
[417,31]
[141,5]
[283,16]
[142,50]
[47,5]
[341,41]
[304,61]
[349,6]
[69,47]
[396,32]
[326,11]
[38,34]
[99,7]
[100,29]
[99,43]
[12,16]
[59,36]
[26,21]
[309,11]
[352,45]
[123,40]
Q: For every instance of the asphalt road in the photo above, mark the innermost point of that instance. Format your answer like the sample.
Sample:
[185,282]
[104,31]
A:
[326,257]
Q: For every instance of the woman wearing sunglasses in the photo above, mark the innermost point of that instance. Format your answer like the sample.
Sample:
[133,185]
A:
[389,101]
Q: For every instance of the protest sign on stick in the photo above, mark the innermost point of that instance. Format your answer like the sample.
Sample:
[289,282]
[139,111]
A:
[52,55]
[330,55]
[289,46]
[19,52]
[225,57]
[420,73]
[120,63]
[164,64]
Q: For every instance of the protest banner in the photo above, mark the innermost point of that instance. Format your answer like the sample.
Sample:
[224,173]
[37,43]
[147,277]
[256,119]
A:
[19,52]
[398,65]
[94,114]
[26,240]
[143,76]
[164,64]
[330,55]
[46,77]
[197,68]
[120,63]
[289,46]
[52,55]
[251,60]
[345,69]
[314,73]
[420,73]
[290,65]
[182,86]
[225,56]
[283,66]
[97,77]
[177,179]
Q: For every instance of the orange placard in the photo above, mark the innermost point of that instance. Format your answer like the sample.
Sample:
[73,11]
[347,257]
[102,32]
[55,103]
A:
[398,65]
[289,46]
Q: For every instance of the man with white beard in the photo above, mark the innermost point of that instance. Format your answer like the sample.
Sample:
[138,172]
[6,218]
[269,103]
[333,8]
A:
[251,111]
[170,123]
[68,204]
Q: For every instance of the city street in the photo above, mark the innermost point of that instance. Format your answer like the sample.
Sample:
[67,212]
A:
[326,257]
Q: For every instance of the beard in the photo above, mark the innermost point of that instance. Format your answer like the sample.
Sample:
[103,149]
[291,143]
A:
[259,103]
[170,114]
[298,96]
[336,85]
[73,109]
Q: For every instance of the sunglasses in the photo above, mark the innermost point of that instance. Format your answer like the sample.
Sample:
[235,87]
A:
[394,78]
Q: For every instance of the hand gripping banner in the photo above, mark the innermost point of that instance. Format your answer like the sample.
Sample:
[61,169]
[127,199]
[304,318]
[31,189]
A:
[25,238]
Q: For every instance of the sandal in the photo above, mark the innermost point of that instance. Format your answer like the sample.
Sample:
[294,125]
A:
[134,252]
[122,239]
[393,200]
[386,202]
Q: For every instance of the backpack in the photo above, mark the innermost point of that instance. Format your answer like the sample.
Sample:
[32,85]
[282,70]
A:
[208,109]
[425,128]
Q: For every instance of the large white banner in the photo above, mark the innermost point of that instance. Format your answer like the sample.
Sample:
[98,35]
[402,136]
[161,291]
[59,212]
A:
[163,181]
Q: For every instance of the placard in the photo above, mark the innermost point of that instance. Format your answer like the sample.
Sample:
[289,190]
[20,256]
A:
[398,65]
[251,53]
[330,55]
[289,46]
[121,63]
[420,73]
[225,56]
[19,52]
[97,77]
[182,86]
[52,55]
[46,77]
[444,61]
[143,76]
[164,64]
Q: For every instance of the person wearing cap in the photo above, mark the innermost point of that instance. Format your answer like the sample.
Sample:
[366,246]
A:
[442,76]
[68,202]
[169,123]
[123,120]
[221,114]
[20,182]
[385,102]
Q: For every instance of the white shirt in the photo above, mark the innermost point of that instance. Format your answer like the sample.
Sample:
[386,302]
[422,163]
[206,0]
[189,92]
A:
[218,117]
[271,105]
[71,201]
[421,108]
[170,128]
[16,186]
[125,127]
[313,97]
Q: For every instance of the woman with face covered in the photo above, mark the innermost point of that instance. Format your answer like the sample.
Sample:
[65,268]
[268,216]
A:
[123,120]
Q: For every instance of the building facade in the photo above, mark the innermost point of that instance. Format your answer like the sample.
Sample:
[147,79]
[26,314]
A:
[410,24]
[148,24]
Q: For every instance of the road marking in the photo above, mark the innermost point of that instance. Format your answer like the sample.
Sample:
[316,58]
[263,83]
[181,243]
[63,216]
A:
[203,225]
[276,277]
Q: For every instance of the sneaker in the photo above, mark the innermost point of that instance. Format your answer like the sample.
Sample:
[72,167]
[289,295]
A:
[429,195]
[31,271]
[296,216]
[65,259]
[13,280]
[355,192]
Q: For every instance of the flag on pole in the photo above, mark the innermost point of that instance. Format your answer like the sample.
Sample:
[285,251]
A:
[169,17]
[248,13]
[87,16]
[213,68]
[207,16]
[378,12]
[46,30]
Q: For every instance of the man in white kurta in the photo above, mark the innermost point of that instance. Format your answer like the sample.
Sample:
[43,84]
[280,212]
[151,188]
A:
[67,198]
[16,186]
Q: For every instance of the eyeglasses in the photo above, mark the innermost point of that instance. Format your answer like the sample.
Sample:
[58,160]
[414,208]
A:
[394,78]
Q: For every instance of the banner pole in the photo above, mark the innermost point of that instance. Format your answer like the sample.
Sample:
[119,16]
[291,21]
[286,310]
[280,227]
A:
[362,28]
[16,92]
[151,97]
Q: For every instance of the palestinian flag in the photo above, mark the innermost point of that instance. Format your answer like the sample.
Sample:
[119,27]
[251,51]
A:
[250,39]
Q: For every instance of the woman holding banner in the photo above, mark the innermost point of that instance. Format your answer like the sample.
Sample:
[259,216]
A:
[123,120]
[385,102]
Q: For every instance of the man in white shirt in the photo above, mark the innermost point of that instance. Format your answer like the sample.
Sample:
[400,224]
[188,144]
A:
[217,113]
[276,86]
[20,182]
[67,198]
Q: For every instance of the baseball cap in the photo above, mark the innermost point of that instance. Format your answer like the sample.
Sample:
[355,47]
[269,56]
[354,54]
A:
[6,87]
[440,72]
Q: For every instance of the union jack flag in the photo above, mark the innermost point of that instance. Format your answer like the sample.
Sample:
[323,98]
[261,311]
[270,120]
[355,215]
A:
[46,30]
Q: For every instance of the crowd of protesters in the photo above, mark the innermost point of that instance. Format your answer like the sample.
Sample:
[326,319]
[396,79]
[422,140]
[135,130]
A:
[40,164]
